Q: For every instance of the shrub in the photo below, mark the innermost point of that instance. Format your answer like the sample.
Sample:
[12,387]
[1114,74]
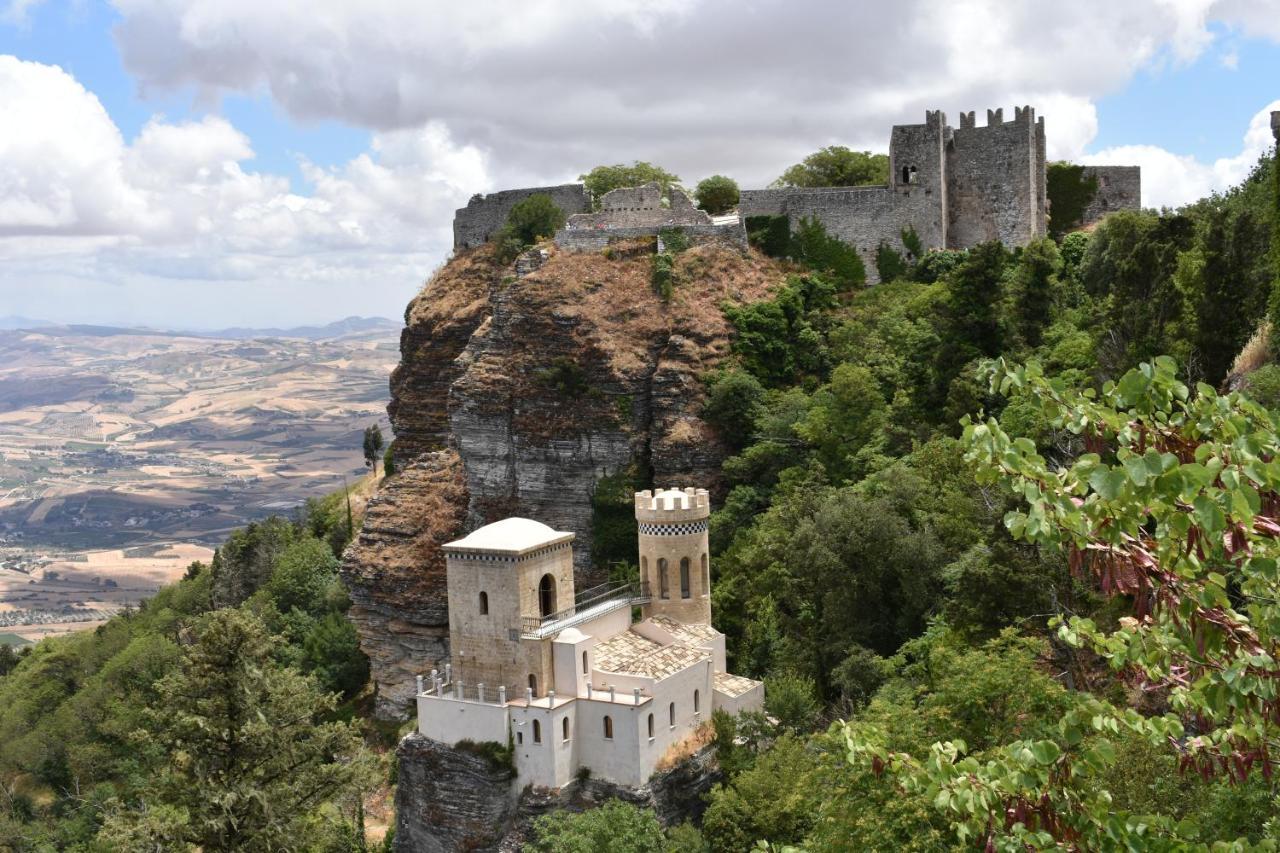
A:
[717,194]
[533,218]
[912,243]
[889,264]
[793,701]
[735,402]
[770,234]
[1070,191]
[602,179]
[837,166]
[664,275]
[814,247]
[389,460]
[674,240]
[936,264]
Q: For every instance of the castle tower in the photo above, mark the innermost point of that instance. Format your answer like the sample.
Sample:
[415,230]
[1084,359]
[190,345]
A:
[505,580]
[675,553]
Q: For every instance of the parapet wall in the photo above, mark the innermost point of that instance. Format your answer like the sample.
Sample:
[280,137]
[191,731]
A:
[474,224]
[1119,188]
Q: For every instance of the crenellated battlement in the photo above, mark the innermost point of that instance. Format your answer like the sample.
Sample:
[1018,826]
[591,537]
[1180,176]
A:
[672,505]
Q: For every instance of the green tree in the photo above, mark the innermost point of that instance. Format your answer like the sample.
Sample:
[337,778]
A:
[735,402]
[249,756]
[302,576]
[1172,514]
[837,166]
[615,827]
[968,325]
[534,217]
[1070,192]
[717,194]
[602,179]
[246,561]
[372,447]
[1030,292]
[812,246]
[792,700]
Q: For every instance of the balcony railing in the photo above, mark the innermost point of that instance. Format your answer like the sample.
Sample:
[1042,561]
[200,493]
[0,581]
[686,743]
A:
[588,604]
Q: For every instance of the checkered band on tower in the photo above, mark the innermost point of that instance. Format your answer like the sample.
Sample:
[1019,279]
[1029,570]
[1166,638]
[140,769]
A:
[673,529]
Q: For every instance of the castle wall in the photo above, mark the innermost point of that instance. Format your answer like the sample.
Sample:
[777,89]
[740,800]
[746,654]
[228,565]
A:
[598,239]
[474,224]
[1119,188]
[995,178]
[918,178]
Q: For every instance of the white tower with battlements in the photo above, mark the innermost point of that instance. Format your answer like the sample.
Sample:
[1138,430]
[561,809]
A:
[675,554]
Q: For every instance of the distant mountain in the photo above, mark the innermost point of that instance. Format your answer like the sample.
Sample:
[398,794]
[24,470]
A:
[345,328]
[13,321]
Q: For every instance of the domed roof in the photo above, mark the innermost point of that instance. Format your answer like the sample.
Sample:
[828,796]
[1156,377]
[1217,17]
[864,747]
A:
[511,535]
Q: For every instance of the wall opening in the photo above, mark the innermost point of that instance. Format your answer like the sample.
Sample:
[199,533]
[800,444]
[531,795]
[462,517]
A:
[664,590]
[533,683]
[547,594]
[564,727]
[684,577]
[651,727]
[520,738]
[484,604]
[706,576]
[537,731]
[672,713]
[644,569]
[608,727]
[584,663]
[695,701]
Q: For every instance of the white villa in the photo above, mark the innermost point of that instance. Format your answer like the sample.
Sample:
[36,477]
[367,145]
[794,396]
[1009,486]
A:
[567,677]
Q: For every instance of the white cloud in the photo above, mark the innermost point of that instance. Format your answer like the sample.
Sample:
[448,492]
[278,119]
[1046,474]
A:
[1170,179]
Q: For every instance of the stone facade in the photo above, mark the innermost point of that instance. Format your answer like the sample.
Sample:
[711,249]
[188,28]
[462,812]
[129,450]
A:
[474,224]
[955,187]
[1119,188]
[630,212]
[674,556]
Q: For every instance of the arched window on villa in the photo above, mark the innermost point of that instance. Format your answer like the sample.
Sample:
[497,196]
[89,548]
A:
[684,577]
[608,727]
[533,683]
[651,727]
[547,594]
[584,663]
[695,701]
[672,712]
[664,590]
[484,604]
[564,726]
[706,576]
[537,731]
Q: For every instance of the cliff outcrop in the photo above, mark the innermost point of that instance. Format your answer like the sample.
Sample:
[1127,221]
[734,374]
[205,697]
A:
[515,396]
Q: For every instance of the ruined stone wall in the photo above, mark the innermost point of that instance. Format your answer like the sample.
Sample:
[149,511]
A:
[1119,188]
[595,240]
[918,178]
[485,214]
[863,217]
[993,181]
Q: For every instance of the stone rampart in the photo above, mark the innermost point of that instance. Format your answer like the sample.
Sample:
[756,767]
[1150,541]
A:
[1119,188]
[474,224]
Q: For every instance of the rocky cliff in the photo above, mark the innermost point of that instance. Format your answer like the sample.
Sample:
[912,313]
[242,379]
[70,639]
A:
[515,396]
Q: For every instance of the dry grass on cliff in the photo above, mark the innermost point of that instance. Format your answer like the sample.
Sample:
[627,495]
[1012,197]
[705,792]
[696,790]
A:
[682,750]
[456,291]
[614,300]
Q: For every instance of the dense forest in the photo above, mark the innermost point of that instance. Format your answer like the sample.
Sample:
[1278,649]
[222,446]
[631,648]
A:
[996,536]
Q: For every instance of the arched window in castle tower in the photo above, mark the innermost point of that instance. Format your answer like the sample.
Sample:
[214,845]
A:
[547,594]
[533,683]
[911,176]
[664,591]
[564,727]
[537,731]
[484,604]
[644,570]
[706,576]
[608,727]
[684,577]
[906,175]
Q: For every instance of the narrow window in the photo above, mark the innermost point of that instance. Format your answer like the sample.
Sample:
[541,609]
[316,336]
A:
[537,731]
[547,595]
[651,727]
[533,683]
[911,179]
[672,712]
[695,701]
[706,576]
[484,604]
[644,570]
[520,738]
[684,577]
[608,727]
[663,589]
[906,175]
[584,663]
[564,726]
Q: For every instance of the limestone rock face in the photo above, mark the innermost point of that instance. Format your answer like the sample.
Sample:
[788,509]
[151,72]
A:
[449,799]
[514,396]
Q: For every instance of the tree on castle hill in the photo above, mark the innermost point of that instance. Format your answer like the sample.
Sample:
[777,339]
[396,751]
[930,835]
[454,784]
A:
[534,218]
[248,752]
[602,179]
[837,166]
[717,194]
[1173,510]
[372,447]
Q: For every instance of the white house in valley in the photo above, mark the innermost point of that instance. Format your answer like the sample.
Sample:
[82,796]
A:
[567,677]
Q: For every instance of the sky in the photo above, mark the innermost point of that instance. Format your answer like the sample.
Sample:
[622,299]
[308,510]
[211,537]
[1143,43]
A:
[205,163]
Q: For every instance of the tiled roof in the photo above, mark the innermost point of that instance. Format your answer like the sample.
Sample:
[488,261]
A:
[633,654]
[692,634]
[733,685]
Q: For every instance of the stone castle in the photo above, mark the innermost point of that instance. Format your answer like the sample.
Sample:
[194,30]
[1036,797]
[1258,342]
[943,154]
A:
[954,187]
[567,677]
